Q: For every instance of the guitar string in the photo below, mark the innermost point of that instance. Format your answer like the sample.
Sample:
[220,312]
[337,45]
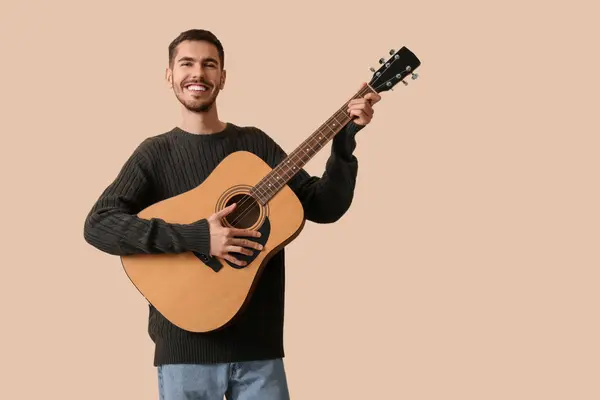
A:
[248,198]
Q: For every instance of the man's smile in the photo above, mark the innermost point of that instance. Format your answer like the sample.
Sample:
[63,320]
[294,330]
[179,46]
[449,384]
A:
[196,88]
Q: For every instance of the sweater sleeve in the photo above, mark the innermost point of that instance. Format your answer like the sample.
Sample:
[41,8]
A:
[328,197]
[113,227]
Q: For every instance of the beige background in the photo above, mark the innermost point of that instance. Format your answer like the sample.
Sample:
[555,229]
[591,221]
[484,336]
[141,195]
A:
[468,266]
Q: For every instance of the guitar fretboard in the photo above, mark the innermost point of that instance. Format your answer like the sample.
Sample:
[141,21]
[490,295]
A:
[297,159]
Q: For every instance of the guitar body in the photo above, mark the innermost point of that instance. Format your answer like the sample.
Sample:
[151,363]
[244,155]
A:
[199,294]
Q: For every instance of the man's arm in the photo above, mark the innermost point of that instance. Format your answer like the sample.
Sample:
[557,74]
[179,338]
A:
[113,227]
[326,198]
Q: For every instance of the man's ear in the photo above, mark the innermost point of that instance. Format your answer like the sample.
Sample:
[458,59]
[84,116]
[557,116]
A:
[169,77]
[223,79]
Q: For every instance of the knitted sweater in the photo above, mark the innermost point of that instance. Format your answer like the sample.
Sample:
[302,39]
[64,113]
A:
[176,161]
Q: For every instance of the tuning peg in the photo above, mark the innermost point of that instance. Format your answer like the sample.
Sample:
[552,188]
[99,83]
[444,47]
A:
[392,51]
[381,61]
[414,75]
[372,69]
[405,83]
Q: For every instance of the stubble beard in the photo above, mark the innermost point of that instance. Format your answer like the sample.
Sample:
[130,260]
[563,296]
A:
[197,106]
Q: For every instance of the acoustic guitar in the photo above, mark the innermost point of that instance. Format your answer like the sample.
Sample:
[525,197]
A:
[201,294]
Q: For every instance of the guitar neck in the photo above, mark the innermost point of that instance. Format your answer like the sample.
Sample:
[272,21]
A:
[297,159]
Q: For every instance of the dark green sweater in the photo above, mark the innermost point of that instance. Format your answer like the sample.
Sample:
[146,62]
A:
[176,161]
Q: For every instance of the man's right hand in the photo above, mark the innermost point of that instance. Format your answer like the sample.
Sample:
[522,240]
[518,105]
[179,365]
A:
[223,240]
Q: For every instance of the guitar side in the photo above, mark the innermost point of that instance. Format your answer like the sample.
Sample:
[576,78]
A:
[190,292]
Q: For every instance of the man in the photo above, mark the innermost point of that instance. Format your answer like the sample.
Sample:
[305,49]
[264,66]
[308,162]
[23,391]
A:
[243,361]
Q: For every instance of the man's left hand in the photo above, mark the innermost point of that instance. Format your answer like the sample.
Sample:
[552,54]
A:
[362,108]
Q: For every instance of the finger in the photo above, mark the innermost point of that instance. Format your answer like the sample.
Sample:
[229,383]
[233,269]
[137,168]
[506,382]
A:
[239,249]
[364,107]
[244,232]
[246,243]
[360,112]
[359,101]
[373,98]
[234,260]
[224,212]
[360,117]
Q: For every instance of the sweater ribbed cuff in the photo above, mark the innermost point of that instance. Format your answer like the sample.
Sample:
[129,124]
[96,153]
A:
[196,236]
[344,143]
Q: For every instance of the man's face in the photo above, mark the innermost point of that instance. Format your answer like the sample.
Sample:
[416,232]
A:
[196,76]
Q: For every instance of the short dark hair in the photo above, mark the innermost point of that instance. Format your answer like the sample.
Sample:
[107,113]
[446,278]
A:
[198,35]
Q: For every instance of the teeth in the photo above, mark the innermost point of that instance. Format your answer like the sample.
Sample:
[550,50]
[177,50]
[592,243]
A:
[196,88]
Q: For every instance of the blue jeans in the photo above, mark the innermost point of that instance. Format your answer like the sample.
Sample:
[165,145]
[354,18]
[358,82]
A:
[254,380]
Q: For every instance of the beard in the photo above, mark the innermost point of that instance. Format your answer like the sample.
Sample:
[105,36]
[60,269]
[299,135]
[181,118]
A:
[200,104]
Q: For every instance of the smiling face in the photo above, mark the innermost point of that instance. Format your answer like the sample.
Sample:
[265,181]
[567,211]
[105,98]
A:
[196,75]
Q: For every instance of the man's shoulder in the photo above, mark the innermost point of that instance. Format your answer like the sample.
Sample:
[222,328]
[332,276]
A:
[254,132]
[156,141]
[159,138]
[246,129]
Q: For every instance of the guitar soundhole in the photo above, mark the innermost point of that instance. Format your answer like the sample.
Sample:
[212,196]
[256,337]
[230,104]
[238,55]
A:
[246,213]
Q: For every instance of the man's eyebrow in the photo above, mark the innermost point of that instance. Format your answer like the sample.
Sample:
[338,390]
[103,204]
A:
[208,59]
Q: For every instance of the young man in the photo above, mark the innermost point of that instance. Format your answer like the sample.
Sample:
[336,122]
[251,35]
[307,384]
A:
[243,361]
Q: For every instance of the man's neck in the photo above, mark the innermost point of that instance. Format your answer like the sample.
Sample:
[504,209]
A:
[201,123]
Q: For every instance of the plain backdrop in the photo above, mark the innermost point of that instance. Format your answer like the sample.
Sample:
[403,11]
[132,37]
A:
[468,265]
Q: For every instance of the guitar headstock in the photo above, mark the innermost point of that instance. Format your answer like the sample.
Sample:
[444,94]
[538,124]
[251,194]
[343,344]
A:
[393,70]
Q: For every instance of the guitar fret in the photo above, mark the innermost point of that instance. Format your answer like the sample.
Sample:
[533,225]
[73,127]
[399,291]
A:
[259,190]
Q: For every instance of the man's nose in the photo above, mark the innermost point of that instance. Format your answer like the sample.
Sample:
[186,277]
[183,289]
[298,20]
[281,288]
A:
[198,72]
